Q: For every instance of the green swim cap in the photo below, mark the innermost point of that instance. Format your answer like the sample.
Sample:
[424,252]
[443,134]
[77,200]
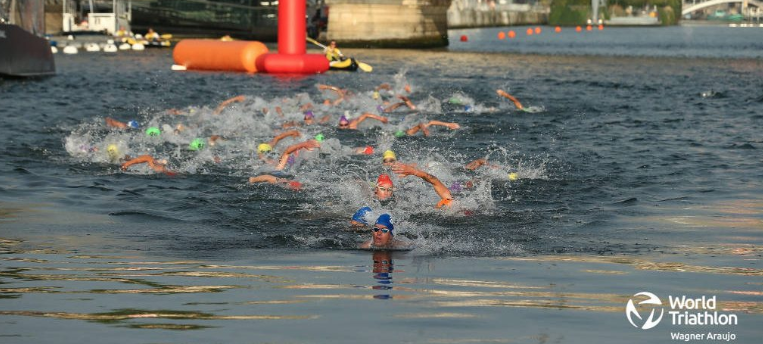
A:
[319,137]
[196,144]
[454,101]
[399,133]
[153,131]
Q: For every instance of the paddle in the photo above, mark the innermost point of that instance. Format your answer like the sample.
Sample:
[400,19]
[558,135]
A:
[364,66]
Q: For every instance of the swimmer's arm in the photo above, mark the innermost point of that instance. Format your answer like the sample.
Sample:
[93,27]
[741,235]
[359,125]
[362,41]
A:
[265,178]
[139,160]
[366,244]
[449,125]
[394,107]
[510,97]
[384,86]
[292,133]
[279,111]
[476,164]
[413,130]
[407,102]
[408,170]
[309,144]
[225,103]
[324,119]
[115,124]
[354,123]
[306,107]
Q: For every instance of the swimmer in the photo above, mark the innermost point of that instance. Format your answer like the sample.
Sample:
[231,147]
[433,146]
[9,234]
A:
[156,165]
[404,170]
[383,235]
[309,119]
[510,97]
[309,145]
[266,178]
[424,127]
[221,107]
[133,124]
[345,124]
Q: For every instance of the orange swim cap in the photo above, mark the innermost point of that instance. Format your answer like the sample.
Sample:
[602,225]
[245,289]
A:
[369,150]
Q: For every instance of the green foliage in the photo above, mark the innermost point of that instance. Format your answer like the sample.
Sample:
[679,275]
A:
[576,12]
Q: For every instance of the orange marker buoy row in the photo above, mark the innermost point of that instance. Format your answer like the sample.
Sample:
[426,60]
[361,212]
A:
[464,38]
[536,31]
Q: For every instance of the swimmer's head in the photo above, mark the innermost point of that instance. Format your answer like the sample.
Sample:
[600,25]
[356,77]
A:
[319,137]
[264,148]
[384,188]
[112,151]
[196,144]
[513,176]
[455,187]
[383,230]
[153,131]
[309,114]
[360,215]
[380,108]
[454,101]
[399,133]
[343,122]
[368,150]
[133,124]
[376,95]
[389,156]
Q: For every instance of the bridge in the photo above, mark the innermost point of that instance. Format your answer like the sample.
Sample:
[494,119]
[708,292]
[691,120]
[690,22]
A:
[692,6]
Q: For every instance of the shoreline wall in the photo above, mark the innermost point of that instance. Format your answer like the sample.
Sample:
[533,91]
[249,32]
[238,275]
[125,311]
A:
[476,13]
[389,23]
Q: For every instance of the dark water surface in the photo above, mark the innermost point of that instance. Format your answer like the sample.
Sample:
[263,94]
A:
[639,169]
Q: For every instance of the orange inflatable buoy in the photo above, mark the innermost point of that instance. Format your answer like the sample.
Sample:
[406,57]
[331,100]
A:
[529,31]
[501,35]
[464,38]
[558,29]
[601,27]
[578,29]
[207,54]
[512,34]
[588,28]
[537,30]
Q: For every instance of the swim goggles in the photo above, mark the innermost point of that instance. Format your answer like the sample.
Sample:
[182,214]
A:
[383,230]
[385,189]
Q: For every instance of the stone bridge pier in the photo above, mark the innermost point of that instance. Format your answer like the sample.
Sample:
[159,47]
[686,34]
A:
[388,23]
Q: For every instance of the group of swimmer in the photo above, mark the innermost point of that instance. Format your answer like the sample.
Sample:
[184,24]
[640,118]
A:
[382,225]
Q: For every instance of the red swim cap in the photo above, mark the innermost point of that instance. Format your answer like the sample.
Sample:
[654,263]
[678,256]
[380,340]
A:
[384,180]
[369,150]
[295,185]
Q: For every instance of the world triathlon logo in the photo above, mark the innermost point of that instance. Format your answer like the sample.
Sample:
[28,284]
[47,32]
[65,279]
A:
[630,311]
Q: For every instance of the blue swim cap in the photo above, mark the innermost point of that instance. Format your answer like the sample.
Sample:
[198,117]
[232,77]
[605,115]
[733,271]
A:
[386,220]
[467,108]
[133,124]
[380,108]
[360,215]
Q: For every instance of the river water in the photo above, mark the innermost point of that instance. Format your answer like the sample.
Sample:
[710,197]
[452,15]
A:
[638,169]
